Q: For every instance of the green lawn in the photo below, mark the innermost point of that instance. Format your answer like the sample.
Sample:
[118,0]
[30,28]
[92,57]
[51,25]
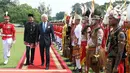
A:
[16,51]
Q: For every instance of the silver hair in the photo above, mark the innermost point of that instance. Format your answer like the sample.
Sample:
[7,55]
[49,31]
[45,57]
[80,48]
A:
[44,15]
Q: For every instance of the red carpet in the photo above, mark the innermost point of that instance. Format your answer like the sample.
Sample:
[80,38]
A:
[57,65]
[32,71]
[37,61]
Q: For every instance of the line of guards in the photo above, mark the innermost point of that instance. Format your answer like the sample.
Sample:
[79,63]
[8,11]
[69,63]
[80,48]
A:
[104,48]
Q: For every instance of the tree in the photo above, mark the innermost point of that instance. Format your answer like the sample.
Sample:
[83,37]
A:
[16,2]
[76,8]
[48,10]
[19,14]
[5,4]
[44,9]
[50,18]
[60,15]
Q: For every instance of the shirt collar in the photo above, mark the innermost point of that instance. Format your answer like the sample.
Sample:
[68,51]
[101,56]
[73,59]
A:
[44,22]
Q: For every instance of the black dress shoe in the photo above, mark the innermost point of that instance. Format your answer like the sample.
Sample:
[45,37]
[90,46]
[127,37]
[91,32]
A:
[8,56]
[31,64]
[26,64]
[42,64]
[47,68]
[80,70]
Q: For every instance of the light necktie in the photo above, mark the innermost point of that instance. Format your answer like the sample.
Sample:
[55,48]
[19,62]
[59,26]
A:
[43,27]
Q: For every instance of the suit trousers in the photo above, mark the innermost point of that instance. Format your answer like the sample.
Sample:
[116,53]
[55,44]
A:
[47,48]
[28,54]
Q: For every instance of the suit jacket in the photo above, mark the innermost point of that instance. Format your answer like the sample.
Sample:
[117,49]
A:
[30,32]
[46,37]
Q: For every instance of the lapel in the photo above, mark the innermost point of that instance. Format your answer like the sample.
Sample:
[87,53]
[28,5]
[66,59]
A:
[41,27]
[47,26]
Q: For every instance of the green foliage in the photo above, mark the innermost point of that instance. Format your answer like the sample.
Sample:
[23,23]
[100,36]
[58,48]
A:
[50,18]
[60,15]
[19,13]
[5,4]
[76,8]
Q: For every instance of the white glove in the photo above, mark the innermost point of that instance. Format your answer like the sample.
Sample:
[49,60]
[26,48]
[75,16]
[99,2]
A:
[14,41]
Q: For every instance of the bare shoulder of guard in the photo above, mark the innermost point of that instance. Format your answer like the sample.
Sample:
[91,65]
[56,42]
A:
[122,36]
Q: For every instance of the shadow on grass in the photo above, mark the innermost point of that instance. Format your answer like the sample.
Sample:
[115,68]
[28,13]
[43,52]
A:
[70,65]
[2,64]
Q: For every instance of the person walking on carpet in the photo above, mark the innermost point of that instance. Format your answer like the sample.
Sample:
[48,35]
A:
[30,33]
[45,35]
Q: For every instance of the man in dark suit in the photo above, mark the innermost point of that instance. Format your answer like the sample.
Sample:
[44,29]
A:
[30,38]
[45,34]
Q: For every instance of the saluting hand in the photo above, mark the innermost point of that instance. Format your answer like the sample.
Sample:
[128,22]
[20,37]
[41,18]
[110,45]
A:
[14,41]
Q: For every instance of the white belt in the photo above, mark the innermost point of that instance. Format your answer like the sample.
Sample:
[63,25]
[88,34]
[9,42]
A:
[5,35]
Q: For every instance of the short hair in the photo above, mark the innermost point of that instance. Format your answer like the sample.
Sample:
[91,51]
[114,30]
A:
[44,15]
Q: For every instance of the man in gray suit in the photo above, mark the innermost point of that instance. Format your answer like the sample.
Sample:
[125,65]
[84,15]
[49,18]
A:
[45,35]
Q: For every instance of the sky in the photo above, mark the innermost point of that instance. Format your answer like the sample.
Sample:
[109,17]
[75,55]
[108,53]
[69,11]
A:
[59,5]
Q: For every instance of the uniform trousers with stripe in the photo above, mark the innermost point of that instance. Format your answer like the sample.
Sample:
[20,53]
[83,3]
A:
[6,47]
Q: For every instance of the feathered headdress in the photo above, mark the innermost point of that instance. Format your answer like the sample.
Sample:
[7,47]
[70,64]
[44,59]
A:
[84,9]
[118,12]
[6,15]
[106,19]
